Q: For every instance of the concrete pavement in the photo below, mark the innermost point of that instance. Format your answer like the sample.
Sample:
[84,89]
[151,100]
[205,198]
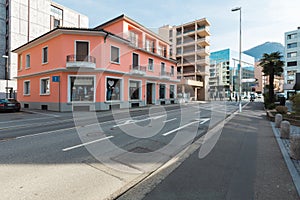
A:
[246,163]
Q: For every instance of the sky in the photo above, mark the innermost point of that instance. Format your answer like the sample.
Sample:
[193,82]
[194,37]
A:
[262,20]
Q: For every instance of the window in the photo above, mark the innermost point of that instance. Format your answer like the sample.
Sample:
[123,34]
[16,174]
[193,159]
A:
[27,61]
[291,64]
[45,86]
[20,62]
[292,45]
[133,38]
[162,67]
[113,89]
[56,22]
[172,91]
[82,51]
[149,45]
[292,54]
[292,36]
[81,88]
[45,55]
[134,90]
[115,54]
[150,64]
[162,91]
[172,70]
[26,88]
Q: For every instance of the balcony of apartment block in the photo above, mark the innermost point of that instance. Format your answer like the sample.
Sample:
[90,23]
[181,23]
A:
[202,52]
[203,31]
[203,62]
[203,41]
[165,75]
[192,81]
[81,61]
[188,52]
[138,70]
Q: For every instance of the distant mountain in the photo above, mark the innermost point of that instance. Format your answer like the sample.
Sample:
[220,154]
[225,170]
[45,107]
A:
[268,47]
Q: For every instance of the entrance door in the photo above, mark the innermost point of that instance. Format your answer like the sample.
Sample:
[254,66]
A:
[82,50]
[149,93]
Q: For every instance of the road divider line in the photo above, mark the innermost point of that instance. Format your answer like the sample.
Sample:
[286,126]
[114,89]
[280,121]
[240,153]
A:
[87,143]
[179,128]
[44,133]
[169,120]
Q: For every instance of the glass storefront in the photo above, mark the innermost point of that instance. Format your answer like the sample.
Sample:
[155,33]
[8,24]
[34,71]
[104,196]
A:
[82,88]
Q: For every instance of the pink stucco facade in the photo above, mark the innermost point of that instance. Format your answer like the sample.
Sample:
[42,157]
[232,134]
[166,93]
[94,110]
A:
[119,64]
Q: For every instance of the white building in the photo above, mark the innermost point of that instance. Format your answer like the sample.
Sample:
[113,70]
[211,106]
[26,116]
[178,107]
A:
[22,21]
[292,63]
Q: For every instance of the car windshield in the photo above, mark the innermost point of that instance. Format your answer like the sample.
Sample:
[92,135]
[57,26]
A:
[3,100]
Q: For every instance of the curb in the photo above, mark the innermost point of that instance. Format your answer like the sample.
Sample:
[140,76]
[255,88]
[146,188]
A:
[293,172]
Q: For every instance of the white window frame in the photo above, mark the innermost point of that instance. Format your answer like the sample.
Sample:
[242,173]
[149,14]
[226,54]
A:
[69,90]
[26,94]
[121,89]
[110,50]
[140,89]
[43,61]
[27,65]
[41,79]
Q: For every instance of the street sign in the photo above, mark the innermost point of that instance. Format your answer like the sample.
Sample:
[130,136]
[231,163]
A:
[55,78]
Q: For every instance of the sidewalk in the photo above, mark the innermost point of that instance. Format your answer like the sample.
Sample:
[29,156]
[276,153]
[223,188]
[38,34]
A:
[246,163]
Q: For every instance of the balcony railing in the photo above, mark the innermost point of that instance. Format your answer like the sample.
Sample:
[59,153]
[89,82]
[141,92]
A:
[165,75]
[138,70]
[81,61]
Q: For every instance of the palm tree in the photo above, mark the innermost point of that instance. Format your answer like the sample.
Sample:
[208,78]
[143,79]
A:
[272,66]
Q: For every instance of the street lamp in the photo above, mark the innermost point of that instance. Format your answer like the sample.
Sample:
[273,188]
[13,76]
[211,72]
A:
[6,74]
[240,57]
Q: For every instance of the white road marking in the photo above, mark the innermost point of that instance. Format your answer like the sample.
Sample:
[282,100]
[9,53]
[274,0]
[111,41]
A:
[131,121]
[45,133]
[184,126]
[179,128]
[169,120]
[198,112]
[87,143]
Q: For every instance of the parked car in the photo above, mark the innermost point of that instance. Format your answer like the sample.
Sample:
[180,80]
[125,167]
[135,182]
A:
[10,105]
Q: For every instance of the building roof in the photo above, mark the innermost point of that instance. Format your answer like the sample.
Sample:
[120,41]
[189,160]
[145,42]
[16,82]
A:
[120,17]
[60,30]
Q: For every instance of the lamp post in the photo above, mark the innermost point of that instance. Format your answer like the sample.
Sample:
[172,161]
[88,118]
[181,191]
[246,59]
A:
[6,74]
[240,57]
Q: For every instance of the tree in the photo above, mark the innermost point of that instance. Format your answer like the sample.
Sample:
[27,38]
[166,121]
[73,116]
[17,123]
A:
[272,66]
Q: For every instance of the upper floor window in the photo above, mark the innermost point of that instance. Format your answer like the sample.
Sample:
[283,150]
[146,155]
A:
[26,88]
[45,55]
[292,45]
[292,36]
[82,50]
[150,64]
[114,54]
[20,62]
[162,67]
[149,45]
[292,54]
[27,61]
[172,70]
[56,23]
[292,64]
[133,38]
[45,86]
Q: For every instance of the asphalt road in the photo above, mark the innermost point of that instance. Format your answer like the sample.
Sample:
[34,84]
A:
[87,155]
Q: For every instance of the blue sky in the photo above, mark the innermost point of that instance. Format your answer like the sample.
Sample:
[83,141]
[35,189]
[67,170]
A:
[262,20]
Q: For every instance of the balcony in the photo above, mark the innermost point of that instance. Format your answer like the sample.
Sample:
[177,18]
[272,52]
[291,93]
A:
[81,61]
[165,75]
[138,70]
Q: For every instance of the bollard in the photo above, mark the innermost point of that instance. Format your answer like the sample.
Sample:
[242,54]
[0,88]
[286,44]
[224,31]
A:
[278,120]
[295,147]
[285,128]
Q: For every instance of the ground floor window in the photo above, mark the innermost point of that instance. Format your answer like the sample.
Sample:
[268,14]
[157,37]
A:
[113,89]
[45,86]
[172,91]
[82,88]
[26,88]
[134,90]
[162,91]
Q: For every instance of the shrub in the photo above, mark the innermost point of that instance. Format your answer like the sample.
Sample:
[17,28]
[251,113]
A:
[270,106]
[281,109]
[296,103]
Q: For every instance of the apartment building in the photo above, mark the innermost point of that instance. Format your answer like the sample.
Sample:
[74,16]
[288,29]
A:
[190,47]
[119,64]
[23,21]
[224,74]
[292,61]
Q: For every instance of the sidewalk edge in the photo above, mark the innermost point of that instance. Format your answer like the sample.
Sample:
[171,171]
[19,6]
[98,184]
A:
[293,172]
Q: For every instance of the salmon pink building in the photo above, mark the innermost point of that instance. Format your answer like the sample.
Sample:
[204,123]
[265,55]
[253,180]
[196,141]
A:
[117,64]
